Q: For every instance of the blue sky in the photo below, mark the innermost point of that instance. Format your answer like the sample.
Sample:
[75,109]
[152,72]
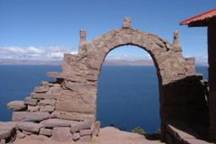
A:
[34,28]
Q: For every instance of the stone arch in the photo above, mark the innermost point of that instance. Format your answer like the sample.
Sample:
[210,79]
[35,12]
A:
[175,73]
[167,59]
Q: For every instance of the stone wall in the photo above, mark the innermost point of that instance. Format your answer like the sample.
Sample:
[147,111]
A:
[38,114]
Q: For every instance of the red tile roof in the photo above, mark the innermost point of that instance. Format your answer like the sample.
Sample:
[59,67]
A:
[201,19]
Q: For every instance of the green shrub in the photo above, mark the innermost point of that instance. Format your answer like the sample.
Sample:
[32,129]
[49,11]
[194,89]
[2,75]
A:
[139,130]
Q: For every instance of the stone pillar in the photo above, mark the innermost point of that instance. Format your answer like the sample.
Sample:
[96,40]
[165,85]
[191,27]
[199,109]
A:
[127,23]
[83,37]
[212,77]
[176,42]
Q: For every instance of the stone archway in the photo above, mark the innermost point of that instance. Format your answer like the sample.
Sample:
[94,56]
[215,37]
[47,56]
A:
[128,94]
[80,75]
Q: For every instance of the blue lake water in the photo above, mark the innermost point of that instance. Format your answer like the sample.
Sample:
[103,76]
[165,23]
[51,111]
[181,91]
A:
[128,96]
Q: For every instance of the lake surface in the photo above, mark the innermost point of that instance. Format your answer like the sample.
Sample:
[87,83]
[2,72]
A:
[128,96]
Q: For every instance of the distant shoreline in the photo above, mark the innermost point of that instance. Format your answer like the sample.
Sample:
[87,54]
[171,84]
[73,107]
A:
[107,63]
[199,65]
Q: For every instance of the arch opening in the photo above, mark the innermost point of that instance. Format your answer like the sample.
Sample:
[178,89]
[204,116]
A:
[128,90]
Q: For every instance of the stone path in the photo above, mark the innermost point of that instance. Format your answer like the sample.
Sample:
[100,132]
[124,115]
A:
[108,135]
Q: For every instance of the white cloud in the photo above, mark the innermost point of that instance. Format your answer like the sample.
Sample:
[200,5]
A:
[128,56]
[34,53]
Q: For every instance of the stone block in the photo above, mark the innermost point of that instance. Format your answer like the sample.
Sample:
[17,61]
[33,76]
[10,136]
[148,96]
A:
[43,96]
[30,116]
[5,133]
[55,90]
[29,127]
[16,105]
[6,129]
[85,132]
[8,125]
[73,116]
[76,136]
[88,90]
[46,132]
[50,123]
[47,108]
[82,125]
[30,101]
[86,138]
[27,132]
[41,89]
[61,134]
[75,103]
[33,108]
[20,135]
[47,102]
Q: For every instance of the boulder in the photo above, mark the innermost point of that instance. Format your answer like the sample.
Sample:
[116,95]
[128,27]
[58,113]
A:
[30,101]
[29,127]
[46,132]
[50,123]
[16,105]
[30,116]
[61,134]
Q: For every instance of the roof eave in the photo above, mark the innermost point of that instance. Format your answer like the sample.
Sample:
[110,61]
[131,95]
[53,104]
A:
[196,22]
